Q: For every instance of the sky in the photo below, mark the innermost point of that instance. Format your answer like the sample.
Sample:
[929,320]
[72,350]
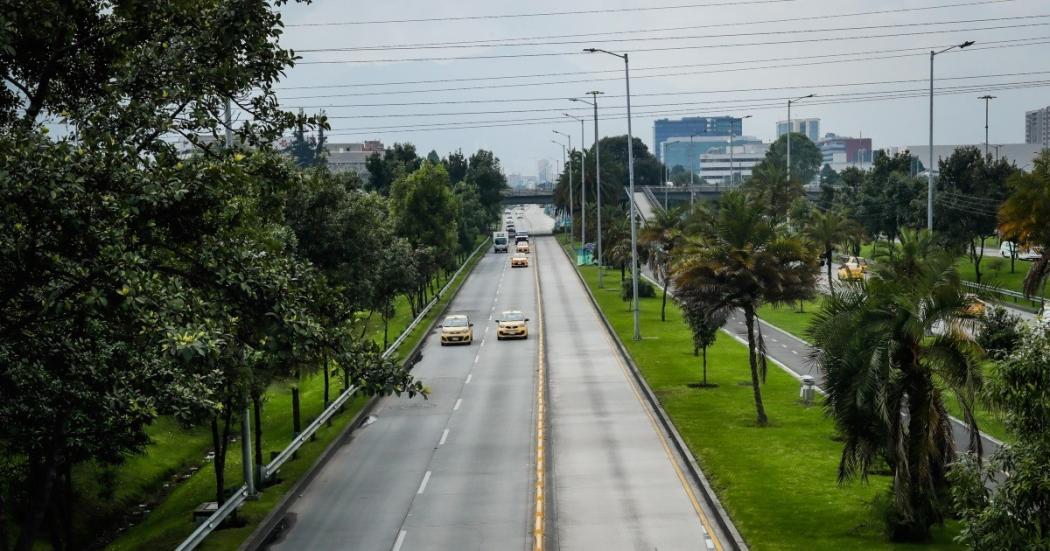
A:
[726,57]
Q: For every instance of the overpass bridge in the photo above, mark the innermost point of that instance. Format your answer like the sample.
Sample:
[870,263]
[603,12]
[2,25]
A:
[657,195]
[527,197]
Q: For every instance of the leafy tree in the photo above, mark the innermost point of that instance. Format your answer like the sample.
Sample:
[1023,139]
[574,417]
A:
[424,211]
[396,162]
[305,150]
[741,260]
[771,191]
[648,171]
[828,230]
[703,323]
[433,157]
[1025,219]
[663,234]
[456,165]
[886,207]
[806,158]
[486,175]
[1000,332]
[884,373]
[471,216]
[969,191]
[1012,512]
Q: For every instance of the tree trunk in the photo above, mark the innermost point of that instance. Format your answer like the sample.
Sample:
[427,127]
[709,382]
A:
[258,444]
[324,370]
[42,483]
[218,441]
[827,261]
[3,517]
[623,271]
[749,317]
[663,306]
[705,366]
[386,325]
[297,423]
[976,258]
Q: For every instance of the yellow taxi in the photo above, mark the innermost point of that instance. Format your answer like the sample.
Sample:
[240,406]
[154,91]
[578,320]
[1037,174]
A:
[457,329]
[519,261]
[523,247]
[853,269]
[975,306]
[511,325]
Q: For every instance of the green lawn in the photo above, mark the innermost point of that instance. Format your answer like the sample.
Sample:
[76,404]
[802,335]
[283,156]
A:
[779,482]
[169,522]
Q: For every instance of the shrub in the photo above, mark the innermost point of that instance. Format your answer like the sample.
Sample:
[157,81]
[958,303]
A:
[645,289]
[999,332]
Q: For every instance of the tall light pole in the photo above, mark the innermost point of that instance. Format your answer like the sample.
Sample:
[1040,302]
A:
[791,129]
[987,99]
[570,185]
[929,169]
[732,174]
[630,176]
[597,182]
[692,168]
[583,181]
[568,168]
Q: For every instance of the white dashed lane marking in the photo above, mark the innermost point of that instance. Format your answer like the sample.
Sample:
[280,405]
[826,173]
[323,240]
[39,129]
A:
[459,402]
[423,485]
[444,436]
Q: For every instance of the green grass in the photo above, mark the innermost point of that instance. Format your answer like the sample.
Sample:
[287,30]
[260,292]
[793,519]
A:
[779,482]
[170,522]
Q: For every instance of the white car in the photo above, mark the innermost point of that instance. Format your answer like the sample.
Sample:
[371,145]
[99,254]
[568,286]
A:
[1007,248]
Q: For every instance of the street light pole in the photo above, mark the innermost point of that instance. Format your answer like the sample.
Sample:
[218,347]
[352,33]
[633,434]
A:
[929,169]
[987,99]
[572,218]
[791,129]
[630,175]
[583,182]
[563,165]
[692,168]
[732,165]
[597,183]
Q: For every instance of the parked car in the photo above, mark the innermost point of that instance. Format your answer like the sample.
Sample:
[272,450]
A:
[457,329]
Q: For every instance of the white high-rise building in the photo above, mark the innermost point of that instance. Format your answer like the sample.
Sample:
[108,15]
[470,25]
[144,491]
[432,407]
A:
[725,166]
[1037,127]
[807,127]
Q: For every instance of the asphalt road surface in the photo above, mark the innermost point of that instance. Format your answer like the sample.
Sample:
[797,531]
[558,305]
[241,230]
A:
[459,471]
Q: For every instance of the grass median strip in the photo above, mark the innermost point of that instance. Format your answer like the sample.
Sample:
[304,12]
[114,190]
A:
[169,523]
[778,483]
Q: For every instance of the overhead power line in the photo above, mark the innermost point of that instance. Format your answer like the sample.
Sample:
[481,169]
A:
[509,44]
[677,48]
[541,14]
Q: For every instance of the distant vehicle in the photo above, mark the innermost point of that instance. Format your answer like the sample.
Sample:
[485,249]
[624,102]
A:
[975,306]
[511,325]
[511,233]
[457,329]
[523,247]
[1007,248]
[858,263]
[521,236]
[499,242]
[519,261]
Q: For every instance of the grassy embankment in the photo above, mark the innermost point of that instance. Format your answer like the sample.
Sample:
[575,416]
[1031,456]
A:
[175,449]
[778,482]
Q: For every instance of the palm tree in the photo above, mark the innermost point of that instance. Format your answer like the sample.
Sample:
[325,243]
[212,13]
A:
[772,191]
[827,230]
[884,369]
[1025,219]
[741,261]
[663,234]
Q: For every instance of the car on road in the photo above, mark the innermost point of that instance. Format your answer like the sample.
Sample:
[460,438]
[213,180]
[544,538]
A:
[853,269]
[511,232]
[521,236]
[519,261]
[457,329]
[975,306]
[1008,248]
[523,247]
[511,325]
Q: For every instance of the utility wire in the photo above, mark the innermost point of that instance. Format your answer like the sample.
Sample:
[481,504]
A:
[674,48]
[541,14]
[664,38]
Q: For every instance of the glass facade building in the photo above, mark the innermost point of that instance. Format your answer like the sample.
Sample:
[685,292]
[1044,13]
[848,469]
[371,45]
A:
[665,129]
[807,127]
[680,152]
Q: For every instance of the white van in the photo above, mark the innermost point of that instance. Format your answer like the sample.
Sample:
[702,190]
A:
[1007,248]
[499,242]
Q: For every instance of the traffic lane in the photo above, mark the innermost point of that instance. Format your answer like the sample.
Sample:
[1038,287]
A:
[615,484]
[478,491]
[360,499]
[539,222]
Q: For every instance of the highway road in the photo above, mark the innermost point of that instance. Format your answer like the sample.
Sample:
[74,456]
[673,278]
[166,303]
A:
[459,471]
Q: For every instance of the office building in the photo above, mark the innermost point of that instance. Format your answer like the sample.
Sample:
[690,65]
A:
[842,152]
[345,157]
[687,153]
[664,129]
[807,127]
[731,166]
[1037,127]
[543,171]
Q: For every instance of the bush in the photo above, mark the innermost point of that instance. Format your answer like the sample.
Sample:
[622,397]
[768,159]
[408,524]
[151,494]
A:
[999,332]
[645,289]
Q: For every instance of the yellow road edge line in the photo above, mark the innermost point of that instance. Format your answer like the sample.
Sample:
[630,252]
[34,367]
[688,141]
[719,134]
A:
[540,384]
[663,440]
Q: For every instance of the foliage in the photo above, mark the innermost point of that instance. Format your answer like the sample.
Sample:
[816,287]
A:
[396,162]
[647,172]
[884,369]
[424,211]
[806,158]
[740,260]
[703,322]
[1024,217]
[306,151]
[662,234]
[828,230]
[888,198]
[1000,332]
[645,290]
[486,175]
[1015,514]
[456,165]
[770,190]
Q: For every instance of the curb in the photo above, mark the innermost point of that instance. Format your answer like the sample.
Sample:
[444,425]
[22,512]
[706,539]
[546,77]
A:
[261,537]
[736,541]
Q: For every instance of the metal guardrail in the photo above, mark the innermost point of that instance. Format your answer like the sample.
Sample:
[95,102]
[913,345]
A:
[1016,296]
[235,501]
[654,204]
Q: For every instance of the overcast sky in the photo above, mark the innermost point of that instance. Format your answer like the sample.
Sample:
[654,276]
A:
[716,37]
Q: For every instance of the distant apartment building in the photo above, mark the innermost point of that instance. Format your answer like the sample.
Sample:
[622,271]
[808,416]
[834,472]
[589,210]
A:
[543,170]
[346,157]
[1037,127]
[842,152]
[687,153]
[807,127]
[730,166]
[665,129]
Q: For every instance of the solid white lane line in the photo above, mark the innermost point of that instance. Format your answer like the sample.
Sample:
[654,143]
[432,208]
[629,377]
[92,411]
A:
[400,540]
[795,352]
[444,436]
[423,485]
[471,376]
[459,401]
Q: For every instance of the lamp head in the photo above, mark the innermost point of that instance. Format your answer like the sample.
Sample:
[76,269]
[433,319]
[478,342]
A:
[967,44]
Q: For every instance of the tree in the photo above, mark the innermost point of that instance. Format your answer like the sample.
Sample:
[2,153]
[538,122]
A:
[703,323]
[396,162]
[486,175]
[1025,219]
[433,157]
[1000,332]
[969,191]
[424,212]
[828,230]
[740,261]
[884,371]
[305,151]
[1012,512]
[456,165]
[771,191]
[806,158]
[663,234]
